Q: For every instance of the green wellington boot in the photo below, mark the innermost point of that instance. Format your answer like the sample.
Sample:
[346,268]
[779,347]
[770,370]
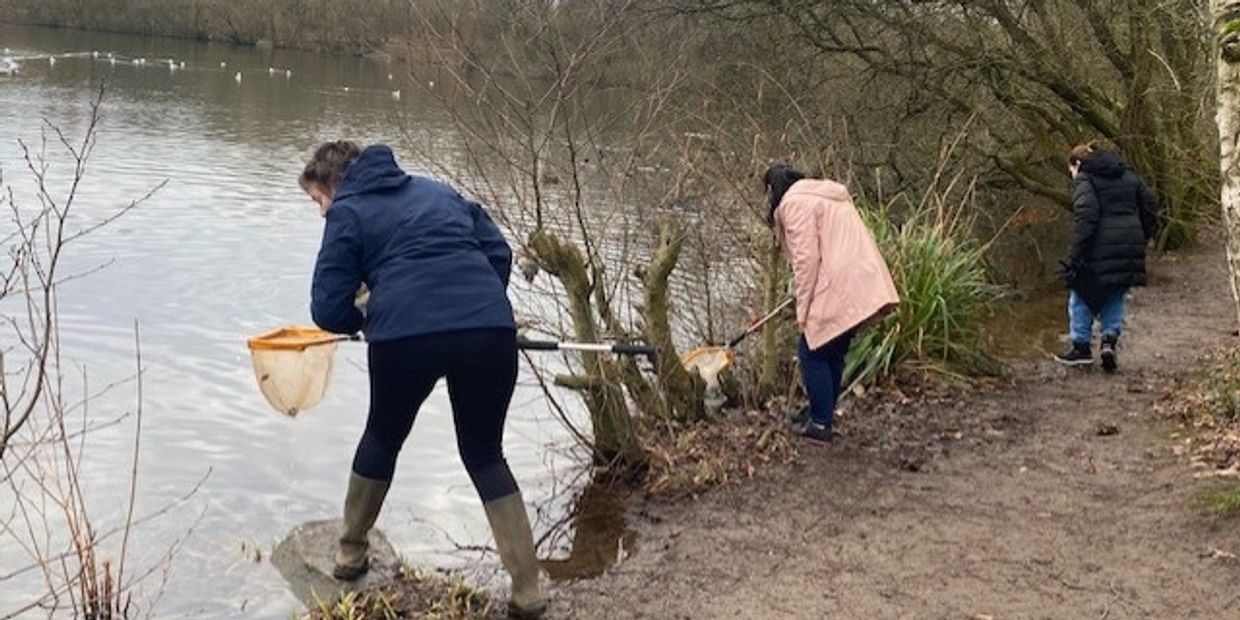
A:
[511,528]
[361,507]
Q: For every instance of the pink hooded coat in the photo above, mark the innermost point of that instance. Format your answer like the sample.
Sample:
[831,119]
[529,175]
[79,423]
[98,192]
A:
[841,278]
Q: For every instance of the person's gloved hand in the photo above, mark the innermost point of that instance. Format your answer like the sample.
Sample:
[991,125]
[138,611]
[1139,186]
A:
[362,298]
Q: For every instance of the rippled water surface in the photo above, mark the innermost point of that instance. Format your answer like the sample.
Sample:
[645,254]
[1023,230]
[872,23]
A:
[222,251]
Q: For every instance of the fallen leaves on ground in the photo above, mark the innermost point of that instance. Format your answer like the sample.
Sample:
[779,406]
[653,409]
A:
[1209,408]
[912,416]
[692,459]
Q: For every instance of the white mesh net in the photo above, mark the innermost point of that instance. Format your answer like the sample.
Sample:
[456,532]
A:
[293,367]
[708,363]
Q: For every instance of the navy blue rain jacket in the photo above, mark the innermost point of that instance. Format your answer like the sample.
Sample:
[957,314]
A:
[434,262]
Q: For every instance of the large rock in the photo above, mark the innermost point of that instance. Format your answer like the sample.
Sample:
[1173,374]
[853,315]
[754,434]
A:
[305,558]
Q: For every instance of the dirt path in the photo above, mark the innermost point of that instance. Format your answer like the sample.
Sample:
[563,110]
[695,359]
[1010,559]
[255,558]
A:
[1010,505]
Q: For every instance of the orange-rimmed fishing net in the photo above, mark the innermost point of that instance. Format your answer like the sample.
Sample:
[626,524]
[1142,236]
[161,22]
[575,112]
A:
[708,363]
[293,366]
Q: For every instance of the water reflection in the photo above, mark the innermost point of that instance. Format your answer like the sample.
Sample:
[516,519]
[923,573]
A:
[595,538]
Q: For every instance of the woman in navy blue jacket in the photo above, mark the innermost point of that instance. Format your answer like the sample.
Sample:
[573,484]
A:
[437,270]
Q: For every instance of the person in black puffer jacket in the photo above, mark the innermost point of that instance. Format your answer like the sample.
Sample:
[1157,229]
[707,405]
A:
[1114,216]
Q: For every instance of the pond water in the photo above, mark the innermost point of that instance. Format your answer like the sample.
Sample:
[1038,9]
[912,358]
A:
[224,251]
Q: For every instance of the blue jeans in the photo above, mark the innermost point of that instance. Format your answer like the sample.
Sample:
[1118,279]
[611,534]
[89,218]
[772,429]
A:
[822,370]
[1081,318]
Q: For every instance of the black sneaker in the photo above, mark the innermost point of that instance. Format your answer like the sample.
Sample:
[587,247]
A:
[817,433]
[1109,362]
[1077,355]
[798,419]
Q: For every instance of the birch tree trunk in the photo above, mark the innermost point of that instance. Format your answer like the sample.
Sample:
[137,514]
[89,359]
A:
[1227,32]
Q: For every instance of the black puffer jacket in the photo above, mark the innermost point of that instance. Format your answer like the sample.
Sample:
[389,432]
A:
[1114,217]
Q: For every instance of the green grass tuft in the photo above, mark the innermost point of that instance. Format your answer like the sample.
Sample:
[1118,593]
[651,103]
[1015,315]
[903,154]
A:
[414,594]
[1224,502]
[945,294]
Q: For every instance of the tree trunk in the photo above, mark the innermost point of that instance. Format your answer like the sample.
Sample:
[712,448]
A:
[682,392]
[1227,30]
[774,352]
[615,439]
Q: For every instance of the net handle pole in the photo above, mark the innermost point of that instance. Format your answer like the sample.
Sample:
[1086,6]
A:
[551,345]
[593,347]
[760,322]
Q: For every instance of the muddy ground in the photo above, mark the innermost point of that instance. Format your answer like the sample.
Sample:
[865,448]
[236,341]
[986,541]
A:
[1056,494]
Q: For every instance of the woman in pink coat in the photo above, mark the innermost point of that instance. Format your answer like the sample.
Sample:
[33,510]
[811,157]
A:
[842,283]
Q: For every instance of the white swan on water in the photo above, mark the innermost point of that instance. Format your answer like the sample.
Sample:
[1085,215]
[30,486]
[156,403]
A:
[51,60]
[237,77]
[396,95]
[288,73]
[223,65]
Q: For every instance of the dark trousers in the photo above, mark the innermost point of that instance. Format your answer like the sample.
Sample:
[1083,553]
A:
[481,369]
[822,371]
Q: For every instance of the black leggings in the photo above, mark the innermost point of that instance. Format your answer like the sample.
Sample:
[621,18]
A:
[481,368]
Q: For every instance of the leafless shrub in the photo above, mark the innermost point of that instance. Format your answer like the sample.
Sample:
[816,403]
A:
[69,562]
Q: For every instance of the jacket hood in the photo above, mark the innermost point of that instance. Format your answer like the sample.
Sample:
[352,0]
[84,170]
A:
[819,187]
[1104,164]
[374,170]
